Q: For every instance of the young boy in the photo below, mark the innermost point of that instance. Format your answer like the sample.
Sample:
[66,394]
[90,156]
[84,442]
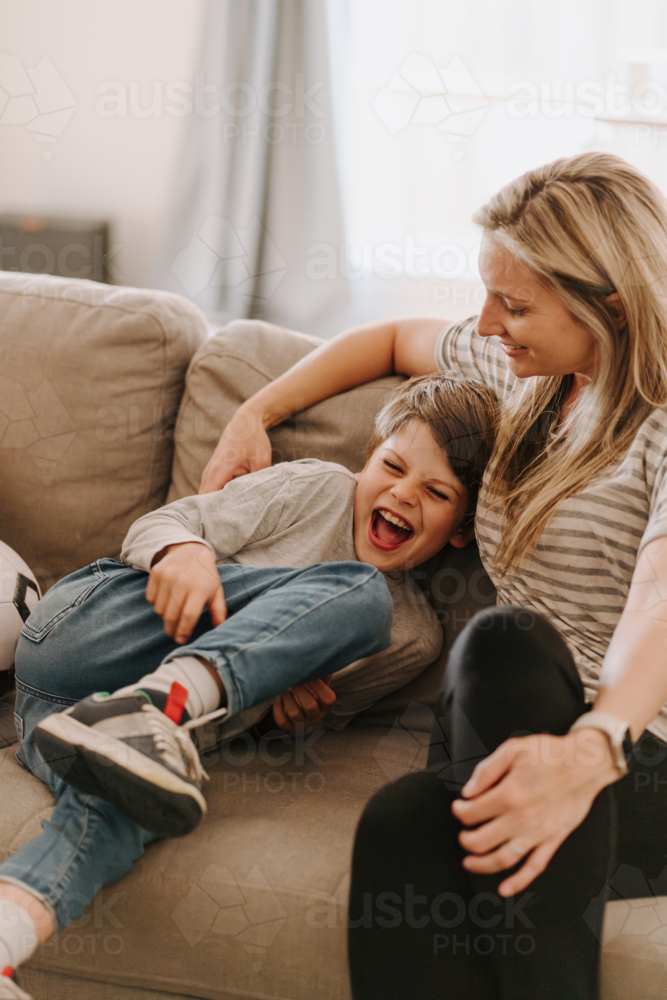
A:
[348,541]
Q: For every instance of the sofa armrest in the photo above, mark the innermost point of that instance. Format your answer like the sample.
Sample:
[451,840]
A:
[91,376]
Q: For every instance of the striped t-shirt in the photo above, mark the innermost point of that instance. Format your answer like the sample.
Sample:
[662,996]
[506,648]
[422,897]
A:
[580,572]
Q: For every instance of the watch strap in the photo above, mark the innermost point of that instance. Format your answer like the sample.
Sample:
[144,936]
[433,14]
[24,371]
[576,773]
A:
[616,730]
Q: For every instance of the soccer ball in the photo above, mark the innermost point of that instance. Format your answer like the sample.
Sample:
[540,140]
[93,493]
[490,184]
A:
[19,593]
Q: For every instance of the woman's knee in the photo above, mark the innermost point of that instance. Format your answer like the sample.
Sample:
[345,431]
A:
[510,670]
[500,642]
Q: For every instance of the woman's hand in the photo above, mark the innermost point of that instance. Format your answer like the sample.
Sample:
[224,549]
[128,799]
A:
[243,447]
[182,582]
[528,796]
[367,352]
[303,705]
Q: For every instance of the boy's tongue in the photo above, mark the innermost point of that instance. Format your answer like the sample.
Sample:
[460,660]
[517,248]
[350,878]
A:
[389,533]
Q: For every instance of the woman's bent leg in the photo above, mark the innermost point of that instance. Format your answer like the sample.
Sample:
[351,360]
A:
[409,930]
[509,674]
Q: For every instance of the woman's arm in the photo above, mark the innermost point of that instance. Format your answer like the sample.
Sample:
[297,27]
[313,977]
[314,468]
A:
[405,347]
[634,673]
[533,791]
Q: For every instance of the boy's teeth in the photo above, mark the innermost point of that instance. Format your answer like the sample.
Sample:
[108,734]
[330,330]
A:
[395,520]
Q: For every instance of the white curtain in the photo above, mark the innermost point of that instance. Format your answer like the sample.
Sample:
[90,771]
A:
[257,186]
[435,105]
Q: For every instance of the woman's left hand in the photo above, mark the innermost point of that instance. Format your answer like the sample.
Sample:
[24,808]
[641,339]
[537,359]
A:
[528,796]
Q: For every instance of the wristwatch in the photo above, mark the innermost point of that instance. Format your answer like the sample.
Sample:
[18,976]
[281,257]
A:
[617,732]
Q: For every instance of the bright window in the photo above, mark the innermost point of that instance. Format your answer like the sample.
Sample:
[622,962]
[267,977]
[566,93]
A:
[447,100]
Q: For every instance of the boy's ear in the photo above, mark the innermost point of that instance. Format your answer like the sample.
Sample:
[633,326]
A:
[462,537]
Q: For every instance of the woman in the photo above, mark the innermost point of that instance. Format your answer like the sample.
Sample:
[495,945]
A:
[570,523]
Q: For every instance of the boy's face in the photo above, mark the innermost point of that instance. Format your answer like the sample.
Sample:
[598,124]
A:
[408,480]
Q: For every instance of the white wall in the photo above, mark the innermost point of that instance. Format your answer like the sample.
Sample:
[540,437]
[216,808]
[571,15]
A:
[117,168]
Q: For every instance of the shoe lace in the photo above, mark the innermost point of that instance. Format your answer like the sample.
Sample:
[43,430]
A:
[10,989]
[175,744]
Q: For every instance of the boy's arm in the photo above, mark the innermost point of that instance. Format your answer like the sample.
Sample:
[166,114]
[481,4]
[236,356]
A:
[303,705]
[246,511]
[337,698]
[180,544]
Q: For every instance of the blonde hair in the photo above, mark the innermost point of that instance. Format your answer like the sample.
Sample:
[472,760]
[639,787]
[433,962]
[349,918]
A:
[588,225]
[461,414]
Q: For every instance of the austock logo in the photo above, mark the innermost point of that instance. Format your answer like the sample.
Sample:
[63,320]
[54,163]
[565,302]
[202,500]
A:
[37,98]
[403,748]
[420,93]
[632,909]
[419,733]
[245,909]
[219,255]
[37,423]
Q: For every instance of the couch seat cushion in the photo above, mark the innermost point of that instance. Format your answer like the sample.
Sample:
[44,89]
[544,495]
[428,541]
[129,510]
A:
[252,904]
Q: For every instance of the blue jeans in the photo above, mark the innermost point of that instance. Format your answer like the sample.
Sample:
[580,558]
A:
[95,631]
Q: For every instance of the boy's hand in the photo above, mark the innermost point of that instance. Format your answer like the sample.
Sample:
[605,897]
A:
[182,581]
[303,705]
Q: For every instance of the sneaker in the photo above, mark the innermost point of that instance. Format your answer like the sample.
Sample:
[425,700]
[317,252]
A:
[9,989]
[127,751]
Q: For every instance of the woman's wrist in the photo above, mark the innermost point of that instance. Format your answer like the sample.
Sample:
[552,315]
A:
[590,749]
[262,411]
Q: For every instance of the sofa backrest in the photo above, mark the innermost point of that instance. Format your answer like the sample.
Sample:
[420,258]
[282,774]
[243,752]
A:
[91,377]
[235,364]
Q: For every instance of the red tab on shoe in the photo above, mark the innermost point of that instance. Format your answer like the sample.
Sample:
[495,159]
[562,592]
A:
[7,971]
[173,709]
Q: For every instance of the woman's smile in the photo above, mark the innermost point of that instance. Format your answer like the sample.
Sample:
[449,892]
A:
[513,350]
[538,335]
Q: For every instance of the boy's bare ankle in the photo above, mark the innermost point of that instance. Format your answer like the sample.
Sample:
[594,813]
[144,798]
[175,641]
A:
[39,913]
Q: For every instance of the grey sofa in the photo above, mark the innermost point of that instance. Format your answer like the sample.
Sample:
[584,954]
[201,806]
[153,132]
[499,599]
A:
[111,401]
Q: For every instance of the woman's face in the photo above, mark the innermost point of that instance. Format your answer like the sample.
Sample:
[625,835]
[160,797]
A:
[538,334]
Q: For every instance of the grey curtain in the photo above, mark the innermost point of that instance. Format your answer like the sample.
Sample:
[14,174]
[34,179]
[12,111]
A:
[256,194]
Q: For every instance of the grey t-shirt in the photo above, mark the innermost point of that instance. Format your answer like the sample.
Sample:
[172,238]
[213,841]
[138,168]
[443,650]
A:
[296,514]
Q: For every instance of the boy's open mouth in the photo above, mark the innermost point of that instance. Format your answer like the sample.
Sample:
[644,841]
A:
[388,530]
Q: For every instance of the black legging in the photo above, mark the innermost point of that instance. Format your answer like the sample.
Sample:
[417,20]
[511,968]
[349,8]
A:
[423,927]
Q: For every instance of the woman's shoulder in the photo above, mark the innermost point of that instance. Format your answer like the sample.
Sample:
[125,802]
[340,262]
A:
[647,453]
[652,433]
[460,347]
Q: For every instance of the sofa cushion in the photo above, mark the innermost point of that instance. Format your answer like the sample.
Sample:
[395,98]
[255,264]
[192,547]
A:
[252,904]
[90,377]
[235,364]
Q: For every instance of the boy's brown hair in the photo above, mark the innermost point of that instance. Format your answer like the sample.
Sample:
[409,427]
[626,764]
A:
[462,415]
